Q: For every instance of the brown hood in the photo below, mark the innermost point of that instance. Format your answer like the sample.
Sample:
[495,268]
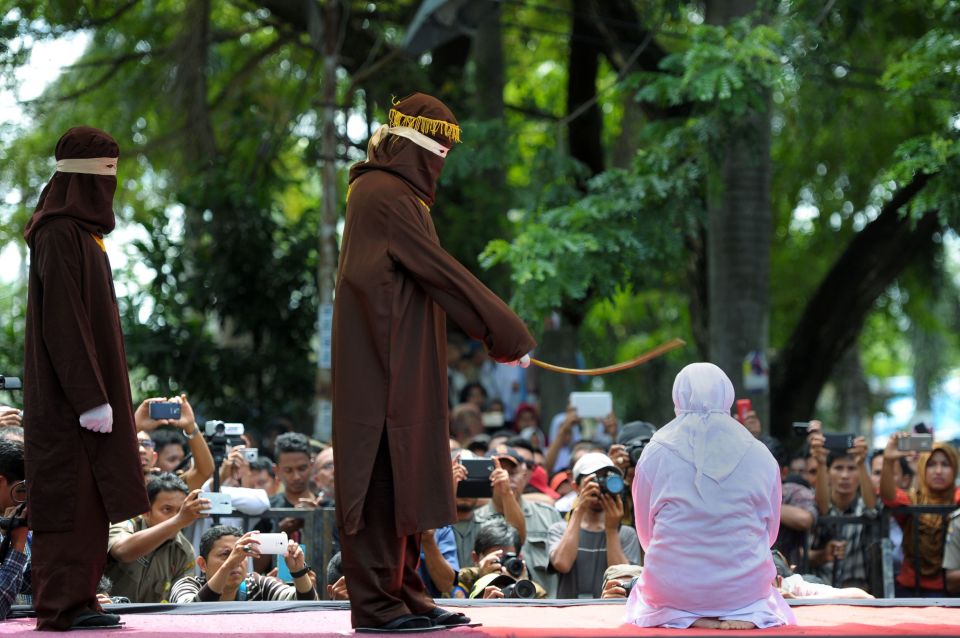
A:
[418,167]
[85,199]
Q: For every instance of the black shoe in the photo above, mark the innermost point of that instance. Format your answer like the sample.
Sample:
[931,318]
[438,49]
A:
[96,620]
[406,623]
[447,618]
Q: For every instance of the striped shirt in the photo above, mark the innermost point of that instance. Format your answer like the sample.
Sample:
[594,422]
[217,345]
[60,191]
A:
[14,581]
[193,589]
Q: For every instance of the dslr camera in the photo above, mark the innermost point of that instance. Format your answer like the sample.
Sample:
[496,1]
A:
[520,588]
[610,483]
[512,563]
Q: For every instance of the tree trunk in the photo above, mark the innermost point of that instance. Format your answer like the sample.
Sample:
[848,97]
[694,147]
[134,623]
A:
[327,263]
[831,322]
[738,238]
[585,131]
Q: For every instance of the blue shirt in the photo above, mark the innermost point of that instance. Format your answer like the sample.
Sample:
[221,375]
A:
[447,542]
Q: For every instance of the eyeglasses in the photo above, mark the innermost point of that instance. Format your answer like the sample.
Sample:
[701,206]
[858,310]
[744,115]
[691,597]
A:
[327,466]
[147,443]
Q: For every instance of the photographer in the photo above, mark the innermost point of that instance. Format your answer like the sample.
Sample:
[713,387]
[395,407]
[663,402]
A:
[148,553]
[593,538]
[224,551]
[15,569]
[495,552]
[843,487]
[202,467]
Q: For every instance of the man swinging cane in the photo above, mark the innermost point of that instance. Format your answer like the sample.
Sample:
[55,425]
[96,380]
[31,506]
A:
[395,286]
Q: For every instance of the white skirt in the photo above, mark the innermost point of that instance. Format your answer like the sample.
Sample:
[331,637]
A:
[771,611]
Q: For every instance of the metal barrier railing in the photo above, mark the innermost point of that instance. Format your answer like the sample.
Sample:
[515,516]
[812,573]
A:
[877,549]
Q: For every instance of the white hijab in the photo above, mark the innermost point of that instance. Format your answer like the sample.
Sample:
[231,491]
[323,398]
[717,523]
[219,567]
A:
[704,434]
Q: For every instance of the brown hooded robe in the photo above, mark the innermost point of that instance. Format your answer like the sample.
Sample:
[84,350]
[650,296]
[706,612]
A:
[79,481]
[395,284]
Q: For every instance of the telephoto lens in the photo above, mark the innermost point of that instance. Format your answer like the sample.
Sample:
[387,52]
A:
[520,589]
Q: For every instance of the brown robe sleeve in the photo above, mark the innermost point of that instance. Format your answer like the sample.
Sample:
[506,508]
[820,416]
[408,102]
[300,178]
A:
[65,317]
[473,306]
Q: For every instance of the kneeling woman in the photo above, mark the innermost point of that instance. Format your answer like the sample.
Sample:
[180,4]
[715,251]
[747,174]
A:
[706,501]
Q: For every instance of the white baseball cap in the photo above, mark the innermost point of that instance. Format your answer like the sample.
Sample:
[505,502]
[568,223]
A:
[591,462]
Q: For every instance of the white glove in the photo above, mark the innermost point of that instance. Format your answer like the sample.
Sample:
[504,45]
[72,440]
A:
[99,419]
[523,362]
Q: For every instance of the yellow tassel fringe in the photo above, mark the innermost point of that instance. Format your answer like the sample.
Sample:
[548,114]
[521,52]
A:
[425,125]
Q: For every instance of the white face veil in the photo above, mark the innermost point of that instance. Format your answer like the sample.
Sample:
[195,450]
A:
[704,434]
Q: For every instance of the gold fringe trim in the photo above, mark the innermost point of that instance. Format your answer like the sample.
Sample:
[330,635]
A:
[426,125]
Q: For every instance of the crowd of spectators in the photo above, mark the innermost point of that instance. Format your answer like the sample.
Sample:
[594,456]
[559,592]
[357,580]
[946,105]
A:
[555,520]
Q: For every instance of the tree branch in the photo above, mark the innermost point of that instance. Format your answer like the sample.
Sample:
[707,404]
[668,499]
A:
[835,314]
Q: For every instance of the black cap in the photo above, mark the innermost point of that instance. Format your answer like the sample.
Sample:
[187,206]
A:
[635,430]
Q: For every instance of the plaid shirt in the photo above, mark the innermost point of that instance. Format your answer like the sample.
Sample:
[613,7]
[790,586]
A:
[15,581]
[852,568]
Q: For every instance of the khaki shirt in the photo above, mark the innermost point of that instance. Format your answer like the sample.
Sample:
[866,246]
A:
[538,518]
[149,578]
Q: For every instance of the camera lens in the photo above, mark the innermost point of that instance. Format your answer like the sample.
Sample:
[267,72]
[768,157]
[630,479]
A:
[612,484]
[524,589]
[512,564]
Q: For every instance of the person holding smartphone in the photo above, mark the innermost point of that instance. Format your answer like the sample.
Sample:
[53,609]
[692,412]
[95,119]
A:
[843,487]
[936,475]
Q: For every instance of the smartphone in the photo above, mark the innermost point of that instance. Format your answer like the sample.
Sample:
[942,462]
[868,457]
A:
[592,405]
[273,543]
[743,406]
[220,503]
[477,483]
[838,442]
[165,410]
[915,443]
[492,419]
[251,454]
[801,428]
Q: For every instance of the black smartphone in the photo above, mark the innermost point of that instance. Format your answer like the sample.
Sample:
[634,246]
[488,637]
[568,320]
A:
[838,442]
[477,483]
[915,443]
[164,410]
[801,428]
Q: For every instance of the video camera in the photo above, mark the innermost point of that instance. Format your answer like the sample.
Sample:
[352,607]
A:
[10,383]
[220,438]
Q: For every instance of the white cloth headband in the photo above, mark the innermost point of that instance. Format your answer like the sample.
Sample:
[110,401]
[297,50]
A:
[420,139]
[89,165]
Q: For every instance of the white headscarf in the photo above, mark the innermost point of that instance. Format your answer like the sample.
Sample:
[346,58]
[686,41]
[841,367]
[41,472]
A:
[704,434]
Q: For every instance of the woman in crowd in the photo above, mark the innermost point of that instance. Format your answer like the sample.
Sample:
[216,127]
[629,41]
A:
[706,498]
[936,474]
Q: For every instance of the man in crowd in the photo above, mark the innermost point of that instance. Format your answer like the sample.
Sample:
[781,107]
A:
[15,569]
[537,518]
[81,460]
[323,477]
[168,443]
[496,541]
[843,487]
[294,465]
[149,553]
[224,551]
[593,538]
[261,476]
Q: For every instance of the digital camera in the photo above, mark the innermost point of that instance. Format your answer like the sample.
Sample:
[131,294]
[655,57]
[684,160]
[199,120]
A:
[512,563]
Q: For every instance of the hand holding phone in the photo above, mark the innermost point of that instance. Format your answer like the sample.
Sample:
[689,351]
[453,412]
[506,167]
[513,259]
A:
[915,443]
[164,410]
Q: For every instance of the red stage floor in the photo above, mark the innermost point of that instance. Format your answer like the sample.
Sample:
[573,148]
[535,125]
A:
[527,621]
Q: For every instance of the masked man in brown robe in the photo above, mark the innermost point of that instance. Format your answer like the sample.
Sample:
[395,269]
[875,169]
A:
[396,286]
[83,470]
